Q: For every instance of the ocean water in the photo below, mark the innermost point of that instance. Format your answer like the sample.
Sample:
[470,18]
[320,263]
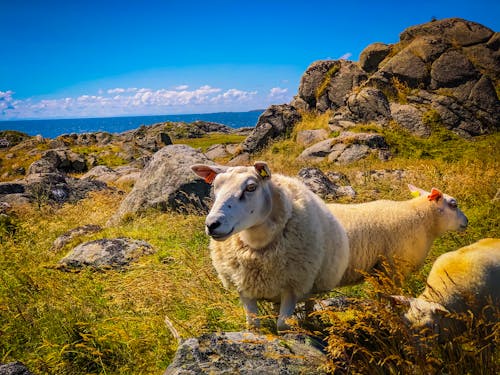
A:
[54,128]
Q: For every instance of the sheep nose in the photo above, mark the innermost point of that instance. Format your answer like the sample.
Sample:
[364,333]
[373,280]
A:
[213,226]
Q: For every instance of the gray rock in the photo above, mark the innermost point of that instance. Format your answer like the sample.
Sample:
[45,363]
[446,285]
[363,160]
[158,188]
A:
[59,160]
[246,353]
[312,79]
[345,148]
[369,104]
[319,183]
[217,152]
[363,177]
[122,174]
[67,237]
[309,137]
[14,368]
[167,183]
[408,68]
[105,253]
[276,122]
[428,48]
[456,30]
[452,69]
[338,85]
[372,56]
[410,117]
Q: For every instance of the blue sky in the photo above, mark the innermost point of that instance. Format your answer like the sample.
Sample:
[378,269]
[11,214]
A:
[65,59]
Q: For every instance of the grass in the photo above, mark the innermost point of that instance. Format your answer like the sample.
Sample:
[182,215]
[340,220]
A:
[211,139]
[113,322]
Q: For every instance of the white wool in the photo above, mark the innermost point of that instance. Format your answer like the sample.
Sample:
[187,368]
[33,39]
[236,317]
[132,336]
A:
[392,230]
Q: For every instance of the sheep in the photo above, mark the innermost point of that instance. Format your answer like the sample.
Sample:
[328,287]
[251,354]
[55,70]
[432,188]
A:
[467,279]
[396,231]
[271,238]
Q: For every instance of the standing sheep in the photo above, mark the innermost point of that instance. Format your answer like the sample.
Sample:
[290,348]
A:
[467,279]
[271,238]
[402,231]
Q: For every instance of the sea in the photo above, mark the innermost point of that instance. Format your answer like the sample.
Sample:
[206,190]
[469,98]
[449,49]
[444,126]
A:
[49,128]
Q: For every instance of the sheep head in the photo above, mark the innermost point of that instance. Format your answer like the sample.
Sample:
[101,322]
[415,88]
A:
[450,217]
[242,198]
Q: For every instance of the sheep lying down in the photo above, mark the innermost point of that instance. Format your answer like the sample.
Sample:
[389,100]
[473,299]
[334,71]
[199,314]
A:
[467,279]
[401,231]
[271,238]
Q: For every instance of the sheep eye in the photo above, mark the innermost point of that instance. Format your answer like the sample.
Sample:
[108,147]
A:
[251,188]
[453,204]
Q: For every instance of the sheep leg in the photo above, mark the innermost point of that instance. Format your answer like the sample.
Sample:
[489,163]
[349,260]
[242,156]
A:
[287,307]
[251,310]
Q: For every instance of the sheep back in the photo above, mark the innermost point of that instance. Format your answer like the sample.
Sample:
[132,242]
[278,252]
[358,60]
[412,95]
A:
[466,278]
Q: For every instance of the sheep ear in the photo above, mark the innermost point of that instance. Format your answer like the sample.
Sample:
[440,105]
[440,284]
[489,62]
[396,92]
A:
[416,191]
[439,309]
[400,300]
[208,172]
[262,169]
[435,195]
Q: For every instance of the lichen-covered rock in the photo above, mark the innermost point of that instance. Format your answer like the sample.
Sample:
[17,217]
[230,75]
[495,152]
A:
[369,104]
[309,137]
[277,121]
[14,368]
[105,253]
[322,185]
[410,117]
[246,353]
[167,183]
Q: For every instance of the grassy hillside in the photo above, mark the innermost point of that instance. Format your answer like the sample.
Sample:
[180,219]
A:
[113,322]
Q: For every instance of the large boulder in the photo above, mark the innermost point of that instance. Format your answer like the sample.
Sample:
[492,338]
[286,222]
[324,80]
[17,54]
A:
[459,31]
[105,253]
[323,185]
[369,104]
[276,121]
[167,182]
[452,69]
[246,353]
[373,55]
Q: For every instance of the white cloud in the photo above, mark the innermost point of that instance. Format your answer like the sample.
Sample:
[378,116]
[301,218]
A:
[278,94]
[345,56]
[132,101]
[182,87]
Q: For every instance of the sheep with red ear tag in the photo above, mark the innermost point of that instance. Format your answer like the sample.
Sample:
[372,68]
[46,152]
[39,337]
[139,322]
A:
[396,230]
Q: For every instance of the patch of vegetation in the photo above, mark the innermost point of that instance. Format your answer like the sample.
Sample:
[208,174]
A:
[108,155]
[326,80]
[13,137]
[211,139]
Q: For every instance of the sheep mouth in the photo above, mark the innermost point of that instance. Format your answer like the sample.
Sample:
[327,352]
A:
[222,236]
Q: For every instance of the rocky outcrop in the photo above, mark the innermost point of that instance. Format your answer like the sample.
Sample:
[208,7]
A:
[277,121]
[105,253]
[167,182]
[246,353]
[451,66]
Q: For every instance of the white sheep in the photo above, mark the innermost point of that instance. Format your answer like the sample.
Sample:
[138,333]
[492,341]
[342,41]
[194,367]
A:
[272,238]
[467,279]
[396,231]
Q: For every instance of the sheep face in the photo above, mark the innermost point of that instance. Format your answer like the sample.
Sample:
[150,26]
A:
[422,313]
[450,217]
[242,198]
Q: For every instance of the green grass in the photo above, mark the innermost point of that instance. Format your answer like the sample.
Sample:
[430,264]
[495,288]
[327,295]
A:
[211,139]
[113,322]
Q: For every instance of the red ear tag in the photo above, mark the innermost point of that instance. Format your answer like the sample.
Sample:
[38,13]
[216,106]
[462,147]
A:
[210,177]
[434,195]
